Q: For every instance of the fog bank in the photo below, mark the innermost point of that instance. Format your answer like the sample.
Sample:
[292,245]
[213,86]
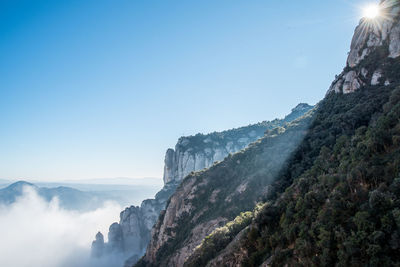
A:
[36,233]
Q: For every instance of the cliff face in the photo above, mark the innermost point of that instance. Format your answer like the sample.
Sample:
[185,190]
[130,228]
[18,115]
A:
[340,199]
[210,198]
[201,151]
[329,198]
[373,39]
[131,235]
[198,152]
[128,238]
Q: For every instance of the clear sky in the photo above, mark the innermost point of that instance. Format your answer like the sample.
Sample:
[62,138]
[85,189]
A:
[96,88]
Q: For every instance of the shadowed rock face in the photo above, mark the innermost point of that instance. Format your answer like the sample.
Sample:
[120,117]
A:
[198,152]
[115,239]
[208,199]
[193,153]
[183,229]
[98,245]
[169,165]
[382,34]
[190,215]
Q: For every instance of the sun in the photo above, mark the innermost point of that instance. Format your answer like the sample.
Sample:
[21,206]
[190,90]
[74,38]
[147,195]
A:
[371,11]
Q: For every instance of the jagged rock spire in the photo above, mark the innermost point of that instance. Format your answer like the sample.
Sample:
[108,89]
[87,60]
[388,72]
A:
[98,245]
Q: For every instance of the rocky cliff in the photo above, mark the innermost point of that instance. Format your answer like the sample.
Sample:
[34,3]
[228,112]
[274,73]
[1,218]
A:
[210,198]
[373,40]
[328,183]
[131,235]
[198,152]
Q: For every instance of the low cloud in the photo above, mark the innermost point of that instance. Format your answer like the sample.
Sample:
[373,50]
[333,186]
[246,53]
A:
[36,233]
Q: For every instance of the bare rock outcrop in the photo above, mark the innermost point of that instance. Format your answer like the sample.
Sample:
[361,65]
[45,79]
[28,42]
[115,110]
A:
[98,246]
[131,235]
[203,201]
[380,37]
[115,238]
[208,199]
[194,153]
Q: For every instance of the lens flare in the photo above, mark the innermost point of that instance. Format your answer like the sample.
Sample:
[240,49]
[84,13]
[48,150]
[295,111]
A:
[371,11]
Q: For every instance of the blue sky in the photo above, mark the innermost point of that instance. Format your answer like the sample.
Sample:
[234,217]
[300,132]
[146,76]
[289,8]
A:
[94,89]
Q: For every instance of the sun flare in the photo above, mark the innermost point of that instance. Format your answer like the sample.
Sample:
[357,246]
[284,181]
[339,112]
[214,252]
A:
[371,11]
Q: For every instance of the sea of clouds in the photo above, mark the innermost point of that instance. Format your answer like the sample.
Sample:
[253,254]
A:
[37,233]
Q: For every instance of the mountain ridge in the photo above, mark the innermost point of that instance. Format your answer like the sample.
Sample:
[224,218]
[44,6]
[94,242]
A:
[132,234]
[69,198]
[342,174]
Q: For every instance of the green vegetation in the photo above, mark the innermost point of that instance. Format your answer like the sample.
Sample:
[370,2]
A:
[253,132]
[330,182]
[343,205]
[234,185]
[333,198]
[218,240]
[221,237]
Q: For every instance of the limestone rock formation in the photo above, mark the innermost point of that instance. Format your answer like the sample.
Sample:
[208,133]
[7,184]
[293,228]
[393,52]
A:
[192,231]
[132,228]
[208,199]
[98,246]
[115,238]
[169,164]
[198,152]
[131,235]
[278,236]
[379,38]
[376,77]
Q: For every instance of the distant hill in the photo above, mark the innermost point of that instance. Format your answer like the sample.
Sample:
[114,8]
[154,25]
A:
[69,198]
[9,194]
[89,197]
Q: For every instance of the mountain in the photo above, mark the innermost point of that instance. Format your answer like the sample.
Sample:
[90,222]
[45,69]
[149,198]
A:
[213,197]
[131,235]
[9,194]
[197,152]
[69,198]
[323,190]
[124,194]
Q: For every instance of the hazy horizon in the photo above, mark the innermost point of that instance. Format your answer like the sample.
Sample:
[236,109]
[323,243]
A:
[104,180]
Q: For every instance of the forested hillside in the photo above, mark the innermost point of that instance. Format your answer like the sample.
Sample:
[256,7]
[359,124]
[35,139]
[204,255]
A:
[342,206]
[327,186]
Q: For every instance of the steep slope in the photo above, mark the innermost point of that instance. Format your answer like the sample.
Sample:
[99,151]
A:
[344,209]
[347,157]
[334,201]
[208,199]
[198,152]
[131,235]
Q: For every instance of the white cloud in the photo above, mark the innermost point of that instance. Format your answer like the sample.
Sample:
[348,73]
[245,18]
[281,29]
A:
[36,233]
